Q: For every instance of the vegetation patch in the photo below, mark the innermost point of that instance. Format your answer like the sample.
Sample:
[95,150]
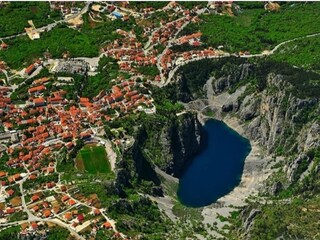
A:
[255,29]
[93,159]
[149,70]
[10,233]
[152,4]
[301,53]
[22,51]
[58,232]
[108,69]
[184,212]
[14,16]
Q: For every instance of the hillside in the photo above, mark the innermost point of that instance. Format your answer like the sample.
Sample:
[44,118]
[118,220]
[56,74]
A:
[104,109]
[253,29]
[278,107]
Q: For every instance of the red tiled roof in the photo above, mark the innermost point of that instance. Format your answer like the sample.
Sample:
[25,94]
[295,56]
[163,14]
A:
[41,80]
[39,100]
[56,210]
[4,45]
[68,216]
[35,208]
[34,225]
[80,217]
[36,89]
[72,202]
[46,213]
[5,100]
[96,211]
[30,69]
[10,192]
[32,177]
[65,198]
[84,99]
[17,176]
[35,198]
[107,225]
[10,210]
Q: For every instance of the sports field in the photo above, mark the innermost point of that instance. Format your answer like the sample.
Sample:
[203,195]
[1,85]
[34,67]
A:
[93,159]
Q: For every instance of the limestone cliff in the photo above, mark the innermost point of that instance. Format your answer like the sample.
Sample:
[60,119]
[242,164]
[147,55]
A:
[170,144]
[279,105]
[281,122]
[184,139]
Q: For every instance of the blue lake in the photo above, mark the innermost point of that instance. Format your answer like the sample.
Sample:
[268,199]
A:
[217,169]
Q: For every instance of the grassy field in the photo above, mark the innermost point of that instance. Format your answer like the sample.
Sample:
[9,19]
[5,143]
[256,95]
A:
[93,159]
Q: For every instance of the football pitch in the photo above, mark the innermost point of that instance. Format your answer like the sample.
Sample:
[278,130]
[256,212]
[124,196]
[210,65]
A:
[93,159]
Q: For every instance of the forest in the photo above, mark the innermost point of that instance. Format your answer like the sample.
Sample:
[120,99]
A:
[255,29]
[15,15]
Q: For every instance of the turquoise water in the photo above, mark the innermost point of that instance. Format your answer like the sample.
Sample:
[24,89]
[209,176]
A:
[217,169]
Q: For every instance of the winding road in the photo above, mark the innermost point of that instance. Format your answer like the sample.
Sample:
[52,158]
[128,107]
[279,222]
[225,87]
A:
[263,54]
[33,218]
[52,25]
[164,82]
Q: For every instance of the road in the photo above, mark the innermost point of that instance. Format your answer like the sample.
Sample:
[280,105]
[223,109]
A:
[111,154]
[280,44]
[41,29]
[55,221]
[52,25]
[263,54]
[6,74]
[15,86]
[172,72]
[162,77]
[32,218]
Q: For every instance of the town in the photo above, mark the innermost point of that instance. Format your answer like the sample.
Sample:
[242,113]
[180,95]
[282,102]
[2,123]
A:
[43,116]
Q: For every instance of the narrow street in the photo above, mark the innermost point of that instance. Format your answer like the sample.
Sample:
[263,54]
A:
[78,118]
[7,77]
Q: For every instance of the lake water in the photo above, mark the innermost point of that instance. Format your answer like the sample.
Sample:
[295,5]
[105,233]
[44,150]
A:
[217,169]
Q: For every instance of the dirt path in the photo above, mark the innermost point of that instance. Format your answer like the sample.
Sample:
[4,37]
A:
[112,156]
[165,204]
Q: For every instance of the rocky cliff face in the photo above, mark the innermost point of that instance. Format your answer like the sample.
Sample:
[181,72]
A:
[231,75]
[170,145]
[185,139]
[273,115]
[283,123]
[279,107]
